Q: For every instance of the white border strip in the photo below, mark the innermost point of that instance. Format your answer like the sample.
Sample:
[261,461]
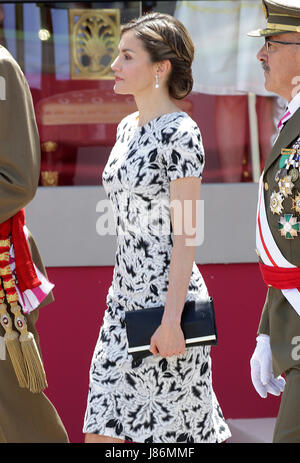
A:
[292,295]
[273,249]
[211,337]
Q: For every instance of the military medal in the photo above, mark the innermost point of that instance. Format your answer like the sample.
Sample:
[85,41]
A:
[286,185]
[293,160]
[296,203]
[277,176]
[294,174]
[276,202]
[288,226]
[286,153]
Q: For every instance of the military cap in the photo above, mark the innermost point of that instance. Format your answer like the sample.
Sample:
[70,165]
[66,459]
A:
[282,16]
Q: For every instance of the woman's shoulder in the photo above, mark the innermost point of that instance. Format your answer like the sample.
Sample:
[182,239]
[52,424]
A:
[185,122]
[178,126]
[128,120]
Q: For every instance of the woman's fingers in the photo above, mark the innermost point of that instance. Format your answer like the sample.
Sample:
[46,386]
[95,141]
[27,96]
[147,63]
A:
[158,345]
[171,353]
[153,348]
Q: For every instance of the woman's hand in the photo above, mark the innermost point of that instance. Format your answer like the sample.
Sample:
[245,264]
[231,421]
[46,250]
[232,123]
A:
[168,340]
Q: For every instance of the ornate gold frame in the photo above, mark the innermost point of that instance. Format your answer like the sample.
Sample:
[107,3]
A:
[94,37]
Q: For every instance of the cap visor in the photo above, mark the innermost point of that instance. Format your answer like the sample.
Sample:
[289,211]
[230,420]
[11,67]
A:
[265,32]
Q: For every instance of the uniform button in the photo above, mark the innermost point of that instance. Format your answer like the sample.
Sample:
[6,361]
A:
[266,186]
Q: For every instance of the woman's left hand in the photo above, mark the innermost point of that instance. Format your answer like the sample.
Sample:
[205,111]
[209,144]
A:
[168,340]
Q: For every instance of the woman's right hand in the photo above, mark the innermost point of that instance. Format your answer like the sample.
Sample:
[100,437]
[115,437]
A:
[168,340]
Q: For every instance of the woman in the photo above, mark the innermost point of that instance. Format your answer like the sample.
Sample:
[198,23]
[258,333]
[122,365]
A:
[158,155]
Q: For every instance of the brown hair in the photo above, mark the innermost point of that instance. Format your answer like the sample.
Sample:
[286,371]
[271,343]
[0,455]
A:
[166,38]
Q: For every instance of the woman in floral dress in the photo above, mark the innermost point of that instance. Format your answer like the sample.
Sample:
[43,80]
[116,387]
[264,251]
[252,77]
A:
[157,162]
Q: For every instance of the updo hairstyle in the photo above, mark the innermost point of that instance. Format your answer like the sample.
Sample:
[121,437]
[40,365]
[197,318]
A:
[166,38]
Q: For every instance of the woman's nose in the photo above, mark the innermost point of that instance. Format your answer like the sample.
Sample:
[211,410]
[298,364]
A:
[115,66]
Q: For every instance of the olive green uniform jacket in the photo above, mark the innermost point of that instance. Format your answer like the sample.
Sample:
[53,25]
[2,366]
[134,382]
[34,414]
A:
[279,319]
[24,416]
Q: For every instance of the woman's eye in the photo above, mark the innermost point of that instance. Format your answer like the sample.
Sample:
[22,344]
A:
[127,57]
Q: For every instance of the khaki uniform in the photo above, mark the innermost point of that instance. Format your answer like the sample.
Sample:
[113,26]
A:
[279,319]
[24,416]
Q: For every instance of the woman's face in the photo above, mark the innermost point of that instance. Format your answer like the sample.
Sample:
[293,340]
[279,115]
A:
[134,71]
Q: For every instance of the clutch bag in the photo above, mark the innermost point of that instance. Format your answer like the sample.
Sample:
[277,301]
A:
[198,324]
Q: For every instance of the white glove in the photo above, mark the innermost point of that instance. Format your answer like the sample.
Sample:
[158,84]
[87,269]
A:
[261,369]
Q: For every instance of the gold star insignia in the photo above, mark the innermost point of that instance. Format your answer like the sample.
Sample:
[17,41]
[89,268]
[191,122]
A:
[286,185]
[276,202]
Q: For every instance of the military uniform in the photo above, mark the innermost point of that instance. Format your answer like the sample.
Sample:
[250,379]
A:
[24,416]
[280,199]
[280,189]
[279,318]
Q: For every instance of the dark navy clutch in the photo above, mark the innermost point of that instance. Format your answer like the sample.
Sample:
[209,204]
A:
[198,324]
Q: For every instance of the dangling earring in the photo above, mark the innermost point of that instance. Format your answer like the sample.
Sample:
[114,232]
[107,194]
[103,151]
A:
[156,81]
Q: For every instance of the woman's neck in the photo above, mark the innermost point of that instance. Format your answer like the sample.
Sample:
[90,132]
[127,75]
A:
[154,106]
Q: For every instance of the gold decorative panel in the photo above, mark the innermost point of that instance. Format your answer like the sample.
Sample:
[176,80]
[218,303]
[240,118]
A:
[94,38]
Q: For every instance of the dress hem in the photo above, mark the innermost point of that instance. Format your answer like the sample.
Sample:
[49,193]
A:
[122,437]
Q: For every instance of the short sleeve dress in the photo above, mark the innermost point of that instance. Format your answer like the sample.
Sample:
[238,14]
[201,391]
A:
[159,400]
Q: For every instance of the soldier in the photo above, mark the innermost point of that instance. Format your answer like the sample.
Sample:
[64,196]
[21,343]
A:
[278,224]
[26,415]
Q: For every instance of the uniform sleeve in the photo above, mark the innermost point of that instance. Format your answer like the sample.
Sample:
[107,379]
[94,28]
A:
[183,155]
[263,327]
[19,140]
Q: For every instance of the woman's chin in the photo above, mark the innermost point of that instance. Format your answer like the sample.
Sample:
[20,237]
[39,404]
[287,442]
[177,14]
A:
[119,90]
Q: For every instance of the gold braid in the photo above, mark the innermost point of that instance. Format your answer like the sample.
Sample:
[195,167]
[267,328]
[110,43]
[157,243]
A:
[11,337]
[33,374]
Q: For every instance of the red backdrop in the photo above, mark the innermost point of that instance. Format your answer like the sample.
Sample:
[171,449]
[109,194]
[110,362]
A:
[69,329]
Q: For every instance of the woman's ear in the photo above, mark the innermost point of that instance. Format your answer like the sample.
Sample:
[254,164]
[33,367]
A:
[163,67]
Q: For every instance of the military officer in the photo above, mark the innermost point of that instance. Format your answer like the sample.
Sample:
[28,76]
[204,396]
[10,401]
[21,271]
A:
[26,415]
[278,224]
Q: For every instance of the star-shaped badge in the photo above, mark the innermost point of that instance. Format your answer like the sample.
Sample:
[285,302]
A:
[276,202]
[288,226]
[286,185]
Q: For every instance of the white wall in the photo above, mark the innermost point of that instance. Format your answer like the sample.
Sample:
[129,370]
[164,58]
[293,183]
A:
[63,222]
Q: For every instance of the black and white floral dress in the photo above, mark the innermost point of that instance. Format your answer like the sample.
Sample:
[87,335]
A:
[160,400]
